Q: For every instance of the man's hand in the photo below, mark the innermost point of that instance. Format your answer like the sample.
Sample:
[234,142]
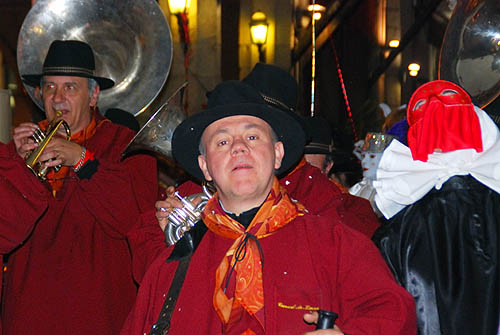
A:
[62,151]
[167,206]
[313,318]
[23,141]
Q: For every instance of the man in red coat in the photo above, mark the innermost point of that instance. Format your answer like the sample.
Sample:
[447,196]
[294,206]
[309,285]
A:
[259,263]
[72,273]
[319,151]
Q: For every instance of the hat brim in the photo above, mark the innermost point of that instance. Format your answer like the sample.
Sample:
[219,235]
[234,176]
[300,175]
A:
[315,150]
[186,137]
[34,79]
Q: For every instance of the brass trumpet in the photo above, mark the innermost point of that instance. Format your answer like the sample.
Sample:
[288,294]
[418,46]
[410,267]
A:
[43,139]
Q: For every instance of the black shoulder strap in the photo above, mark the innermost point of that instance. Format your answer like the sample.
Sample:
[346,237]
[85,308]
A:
[162,325]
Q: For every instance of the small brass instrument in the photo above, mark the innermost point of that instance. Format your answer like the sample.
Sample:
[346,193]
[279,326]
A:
[183,219]
[39,169]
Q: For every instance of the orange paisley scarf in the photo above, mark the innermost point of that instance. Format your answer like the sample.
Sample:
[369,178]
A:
[243,259]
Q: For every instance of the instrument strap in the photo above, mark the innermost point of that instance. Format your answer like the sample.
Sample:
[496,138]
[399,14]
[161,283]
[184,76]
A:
[162,325]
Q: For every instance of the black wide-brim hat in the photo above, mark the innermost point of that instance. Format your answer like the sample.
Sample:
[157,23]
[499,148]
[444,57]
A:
[68,58]
[319,135]
[276,86]
[232,98]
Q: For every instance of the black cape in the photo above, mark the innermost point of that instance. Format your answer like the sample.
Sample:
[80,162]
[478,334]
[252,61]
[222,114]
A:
[444,250]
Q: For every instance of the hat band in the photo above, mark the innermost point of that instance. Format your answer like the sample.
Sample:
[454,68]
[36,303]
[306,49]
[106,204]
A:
[68,70]
[276,103]
[329,148]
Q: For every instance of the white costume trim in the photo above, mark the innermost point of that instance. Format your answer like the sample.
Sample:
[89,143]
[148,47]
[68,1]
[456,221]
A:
[401,181]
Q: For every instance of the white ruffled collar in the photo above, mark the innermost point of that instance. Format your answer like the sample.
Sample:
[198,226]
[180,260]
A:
[401,181]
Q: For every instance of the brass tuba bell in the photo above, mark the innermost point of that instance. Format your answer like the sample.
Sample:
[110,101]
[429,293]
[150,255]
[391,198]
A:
[470,53]
[43,139]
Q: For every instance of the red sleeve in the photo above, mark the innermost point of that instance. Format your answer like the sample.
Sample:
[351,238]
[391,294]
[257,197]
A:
[189,188]
[147,240]
[120,189]
[365,221]
[20,192]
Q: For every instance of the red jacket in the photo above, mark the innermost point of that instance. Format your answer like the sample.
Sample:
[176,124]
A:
[310,263]
[14,228]
[73,274]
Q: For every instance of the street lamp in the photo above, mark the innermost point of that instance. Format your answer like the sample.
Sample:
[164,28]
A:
[178,6]
[258,32]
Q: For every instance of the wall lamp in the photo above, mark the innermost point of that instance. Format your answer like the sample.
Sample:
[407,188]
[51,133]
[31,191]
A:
[393,44]
[413,69]
[318,9]
[258,32]
[178,6]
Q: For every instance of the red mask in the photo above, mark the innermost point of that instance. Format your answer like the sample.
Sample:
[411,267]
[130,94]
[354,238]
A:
[442,119]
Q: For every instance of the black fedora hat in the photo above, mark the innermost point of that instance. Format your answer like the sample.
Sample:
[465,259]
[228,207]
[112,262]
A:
[233,98]
[319,136]
[276,86]
[68,58]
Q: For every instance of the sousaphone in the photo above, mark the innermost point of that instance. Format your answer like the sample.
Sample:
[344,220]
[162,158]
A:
[131,40]
[470,53]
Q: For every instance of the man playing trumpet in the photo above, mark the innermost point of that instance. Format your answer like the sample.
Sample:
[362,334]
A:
[72,274]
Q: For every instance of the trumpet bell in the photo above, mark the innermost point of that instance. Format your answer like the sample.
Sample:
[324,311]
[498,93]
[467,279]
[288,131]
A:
[470,53]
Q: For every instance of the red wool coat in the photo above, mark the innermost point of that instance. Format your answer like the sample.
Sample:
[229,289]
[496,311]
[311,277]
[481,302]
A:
[14,228]
[73,274]
[310,263]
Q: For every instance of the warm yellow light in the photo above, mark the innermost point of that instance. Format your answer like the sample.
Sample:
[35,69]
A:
[259,33]
[317,16]
[258,28]
[414,67]
[393,43]
[316,7]
[178,6]
[413,73]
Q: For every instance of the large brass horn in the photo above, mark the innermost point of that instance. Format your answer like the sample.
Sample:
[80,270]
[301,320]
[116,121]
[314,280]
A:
[32,160]
[131,40]
[156,137]
[470,53]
